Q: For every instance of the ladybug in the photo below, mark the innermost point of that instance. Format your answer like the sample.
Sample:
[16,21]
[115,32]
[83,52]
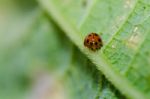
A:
[93,41]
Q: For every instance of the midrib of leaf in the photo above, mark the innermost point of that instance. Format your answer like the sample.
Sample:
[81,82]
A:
[119,81]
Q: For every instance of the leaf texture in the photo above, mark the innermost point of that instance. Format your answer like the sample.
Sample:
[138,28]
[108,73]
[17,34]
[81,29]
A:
[125,32]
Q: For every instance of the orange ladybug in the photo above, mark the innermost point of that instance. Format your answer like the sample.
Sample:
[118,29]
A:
[93,41]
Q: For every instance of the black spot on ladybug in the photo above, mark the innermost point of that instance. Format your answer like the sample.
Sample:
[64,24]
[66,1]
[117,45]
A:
[95,43]
[99,39]
[87,41]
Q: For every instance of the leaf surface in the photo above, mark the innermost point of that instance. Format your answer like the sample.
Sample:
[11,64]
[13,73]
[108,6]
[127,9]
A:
[125,32]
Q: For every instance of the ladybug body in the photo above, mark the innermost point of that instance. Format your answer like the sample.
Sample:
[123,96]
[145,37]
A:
[93,41]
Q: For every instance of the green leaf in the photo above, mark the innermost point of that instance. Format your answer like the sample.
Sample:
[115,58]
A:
[38,60]
[31,43]
[124,59]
